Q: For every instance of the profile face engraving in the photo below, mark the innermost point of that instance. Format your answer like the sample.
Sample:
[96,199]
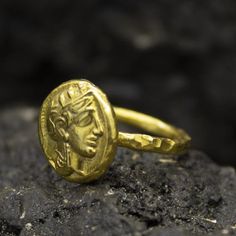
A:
[84,133]
[74,123]
[77,126]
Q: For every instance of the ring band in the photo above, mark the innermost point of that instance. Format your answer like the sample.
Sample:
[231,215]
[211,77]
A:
[171,140]
[79,136]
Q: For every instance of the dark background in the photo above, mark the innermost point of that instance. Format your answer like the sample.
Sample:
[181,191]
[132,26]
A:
[172,59]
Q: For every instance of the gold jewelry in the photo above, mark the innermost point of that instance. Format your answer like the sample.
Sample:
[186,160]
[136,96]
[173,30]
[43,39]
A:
[78,131]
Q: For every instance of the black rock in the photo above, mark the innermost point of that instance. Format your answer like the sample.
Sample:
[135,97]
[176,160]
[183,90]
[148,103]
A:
[141,194]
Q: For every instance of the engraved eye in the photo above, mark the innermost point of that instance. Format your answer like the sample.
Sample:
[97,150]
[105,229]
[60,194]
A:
[84,119]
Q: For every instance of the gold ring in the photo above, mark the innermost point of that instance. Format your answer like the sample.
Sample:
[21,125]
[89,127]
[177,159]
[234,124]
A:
[78,131]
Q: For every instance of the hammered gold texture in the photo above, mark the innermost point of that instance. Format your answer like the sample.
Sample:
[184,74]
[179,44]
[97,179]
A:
[79,136]
[172,140]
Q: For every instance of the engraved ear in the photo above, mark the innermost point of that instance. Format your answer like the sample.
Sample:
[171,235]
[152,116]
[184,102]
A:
[63,134]
[60,127]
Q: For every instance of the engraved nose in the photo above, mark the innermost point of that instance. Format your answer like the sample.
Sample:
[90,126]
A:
[98,130]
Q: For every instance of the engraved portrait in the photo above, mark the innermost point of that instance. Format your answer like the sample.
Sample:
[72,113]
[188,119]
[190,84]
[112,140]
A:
[74,124]
[77,130]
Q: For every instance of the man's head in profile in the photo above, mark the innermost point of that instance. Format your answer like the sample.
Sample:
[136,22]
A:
[74,124]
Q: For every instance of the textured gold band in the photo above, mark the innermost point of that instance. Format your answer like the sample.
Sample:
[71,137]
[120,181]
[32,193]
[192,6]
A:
[171,140]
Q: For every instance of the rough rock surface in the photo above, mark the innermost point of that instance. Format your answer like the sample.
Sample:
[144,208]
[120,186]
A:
[142,193]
